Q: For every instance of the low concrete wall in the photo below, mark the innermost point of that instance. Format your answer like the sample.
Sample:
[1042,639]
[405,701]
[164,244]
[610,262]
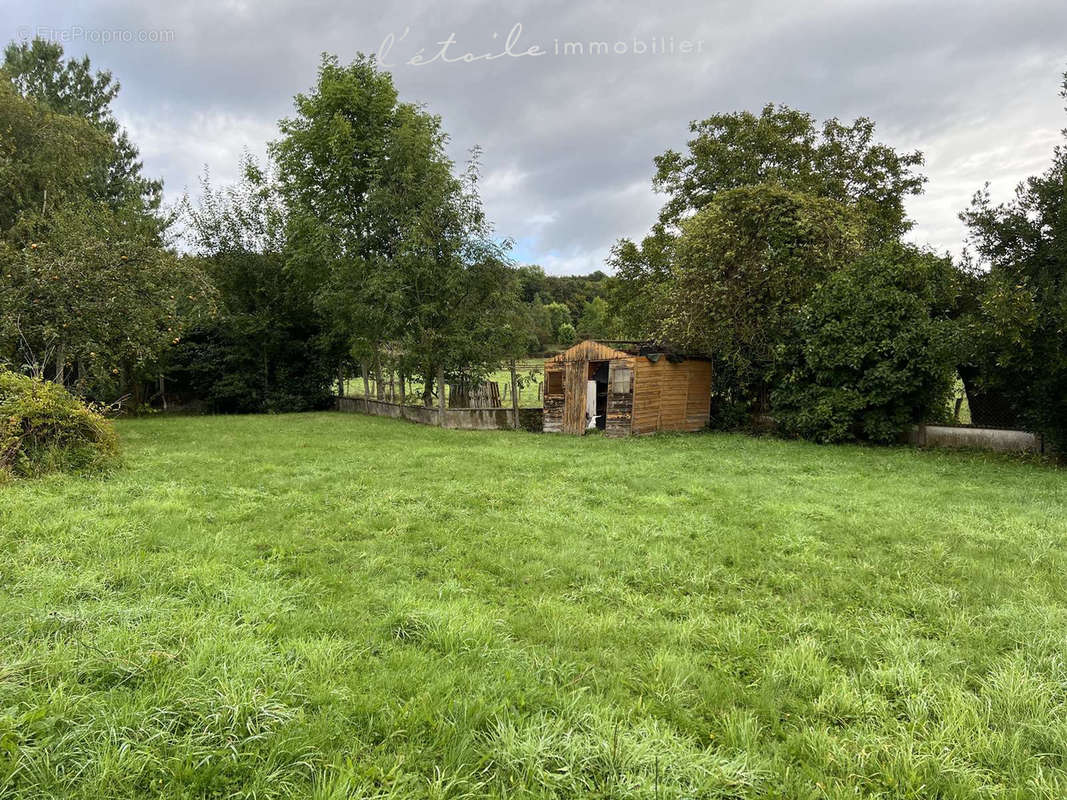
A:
[1000,440]
[467,419]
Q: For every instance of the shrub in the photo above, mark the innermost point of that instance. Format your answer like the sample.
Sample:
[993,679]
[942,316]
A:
[873,350]
[44,428]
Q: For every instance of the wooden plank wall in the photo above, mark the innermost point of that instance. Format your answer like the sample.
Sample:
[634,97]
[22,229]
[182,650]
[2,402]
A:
[671,397]
[575,375]
[553,409]
[620,397]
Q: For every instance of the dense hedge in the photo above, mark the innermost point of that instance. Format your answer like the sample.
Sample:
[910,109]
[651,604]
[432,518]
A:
[44,428]
[872,350]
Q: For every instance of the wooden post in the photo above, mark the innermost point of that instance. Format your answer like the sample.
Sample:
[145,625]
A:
[441,388]
[514,397]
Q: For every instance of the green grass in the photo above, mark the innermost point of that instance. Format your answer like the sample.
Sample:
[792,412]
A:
[331,606]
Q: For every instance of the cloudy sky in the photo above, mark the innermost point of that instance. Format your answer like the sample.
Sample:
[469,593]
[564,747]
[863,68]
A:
[569,137]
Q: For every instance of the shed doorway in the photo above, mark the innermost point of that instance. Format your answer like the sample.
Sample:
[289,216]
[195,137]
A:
[597,395]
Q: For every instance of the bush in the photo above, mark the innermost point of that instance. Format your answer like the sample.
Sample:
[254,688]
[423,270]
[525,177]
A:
[44,428]
[873,350]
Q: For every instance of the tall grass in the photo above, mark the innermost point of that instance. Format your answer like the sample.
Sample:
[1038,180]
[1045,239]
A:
[332,606]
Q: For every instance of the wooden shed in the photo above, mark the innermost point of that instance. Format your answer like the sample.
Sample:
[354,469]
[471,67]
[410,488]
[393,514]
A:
[625,388]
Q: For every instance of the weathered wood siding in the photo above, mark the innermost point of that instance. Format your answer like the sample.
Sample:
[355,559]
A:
[575,375]
[671,397]
[620,397]
[553,405]
[643,396]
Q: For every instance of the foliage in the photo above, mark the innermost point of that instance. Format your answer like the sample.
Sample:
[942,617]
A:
[45,158]
[411,273]
[872,350]
[268,348]
[566,335]
[784,147]
[597,321]
[1018,301]
[316,606]
[781,147]
[740,269]
[98,300]
[37,70]
[88,293]
[44,428]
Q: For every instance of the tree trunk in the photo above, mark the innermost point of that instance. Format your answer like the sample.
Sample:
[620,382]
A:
[61,366]
[379,386]
[441,387]
[366,382]
[427,388]
[403,381]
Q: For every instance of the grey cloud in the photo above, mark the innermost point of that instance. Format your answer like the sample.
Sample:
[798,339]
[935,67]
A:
[569,140]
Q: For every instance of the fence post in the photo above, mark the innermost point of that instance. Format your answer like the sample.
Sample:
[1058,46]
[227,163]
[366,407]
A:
[441,388]
[514,397]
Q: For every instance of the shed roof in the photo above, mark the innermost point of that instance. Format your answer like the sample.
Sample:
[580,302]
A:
[591,350]
[588,350]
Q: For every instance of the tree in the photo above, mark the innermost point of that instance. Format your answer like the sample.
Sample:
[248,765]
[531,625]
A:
[87,294]
[98,300]
[781,147]
[268,348]
[45,158]
[784,147]
[1017,325]
[740,268]
[395,246]
[37,70]
[872,349]
[596,321]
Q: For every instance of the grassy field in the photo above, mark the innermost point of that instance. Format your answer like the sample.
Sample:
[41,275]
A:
[332,606]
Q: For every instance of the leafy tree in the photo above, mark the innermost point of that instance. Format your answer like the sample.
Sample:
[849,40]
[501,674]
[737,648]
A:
[872,350]
[37,70]
[97,300]
[267,348]
[1018,301]
[740,269]
[596,321]
[567,334]
[779,147]
[395,246]
[785,147]
[44,160]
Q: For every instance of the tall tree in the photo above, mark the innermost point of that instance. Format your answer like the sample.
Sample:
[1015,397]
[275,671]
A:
[45,158]
[396,246]
[740,268]
[785,147]
[37,70]
[779,147]
[268,348]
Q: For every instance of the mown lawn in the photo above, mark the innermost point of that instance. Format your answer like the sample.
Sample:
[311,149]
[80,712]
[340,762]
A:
[330,605]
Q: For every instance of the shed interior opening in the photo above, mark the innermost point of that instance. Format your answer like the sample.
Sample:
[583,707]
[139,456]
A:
[598,375]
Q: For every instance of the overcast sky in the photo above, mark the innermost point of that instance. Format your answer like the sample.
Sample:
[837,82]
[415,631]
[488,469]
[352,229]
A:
[569,137]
